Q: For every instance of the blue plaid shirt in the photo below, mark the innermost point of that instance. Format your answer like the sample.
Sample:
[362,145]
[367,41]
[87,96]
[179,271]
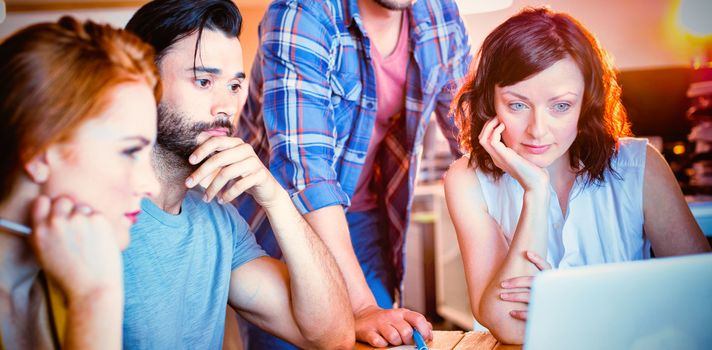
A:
[312,106]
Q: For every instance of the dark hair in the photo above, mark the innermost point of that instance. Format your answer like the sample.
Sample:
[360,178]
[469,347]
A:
[55,77]
[525,45]
[162,23]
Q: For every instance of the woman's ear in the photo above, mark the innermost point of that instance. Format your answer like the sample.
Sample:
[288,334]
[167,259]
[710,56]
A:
[37,168]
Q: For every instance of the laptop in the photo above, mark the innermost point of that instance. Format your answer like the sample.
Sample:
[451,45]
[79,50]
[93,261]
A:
[663,303]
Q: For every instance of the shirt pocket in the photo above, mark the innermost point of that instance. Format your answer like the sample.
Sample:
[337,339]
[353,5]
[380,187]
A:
[346,94]
[345,86]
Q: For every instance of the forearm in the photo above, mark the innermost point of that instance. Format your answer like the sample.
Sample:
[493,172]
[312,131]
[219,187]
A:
[95,321]
[320,302]
[331,225]
[530,235]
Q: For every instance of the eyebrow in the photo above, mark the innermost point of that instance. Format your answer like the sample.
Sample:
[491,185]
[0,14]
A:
[215,71]
[144,141]
[551,99]
[521,97]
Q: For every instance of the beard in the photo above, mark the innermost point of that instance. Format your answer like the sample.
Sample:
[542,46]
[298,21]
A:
[395,5]
[176,135]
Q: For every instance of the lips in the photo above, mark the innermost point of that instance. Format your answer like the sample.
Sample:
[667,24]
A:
[218,131]
[132,216]
[536,149]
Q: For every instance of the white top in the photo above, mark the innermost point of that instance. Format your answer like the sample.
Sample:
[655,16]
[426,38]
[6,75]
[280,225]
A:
[603,223]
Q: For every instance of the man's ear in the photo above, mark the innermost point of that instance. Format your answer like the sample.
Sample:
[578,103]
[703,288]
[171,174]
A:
[37,168]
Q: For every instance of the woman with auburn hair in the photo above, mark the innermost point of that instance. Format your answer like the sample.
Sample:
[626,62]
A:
[551,178]
[77,122]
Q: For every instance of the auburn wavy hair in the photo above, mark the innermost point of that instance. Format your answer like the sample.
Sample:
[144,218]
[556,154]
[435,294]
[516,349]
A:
[55,76]
[523,46]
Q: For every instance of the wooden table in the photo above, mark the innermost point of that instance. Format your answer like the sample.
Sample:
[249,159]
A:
[456,340]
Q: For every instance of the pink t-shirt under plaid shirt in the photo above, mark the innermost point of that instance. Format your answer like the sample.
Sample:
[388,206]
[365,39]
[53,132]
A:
[390,91]
[312,105]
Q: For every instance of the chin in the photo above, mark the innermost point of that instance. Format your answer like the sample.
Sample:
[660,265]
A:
[122,234]
[123,241]
[541,161]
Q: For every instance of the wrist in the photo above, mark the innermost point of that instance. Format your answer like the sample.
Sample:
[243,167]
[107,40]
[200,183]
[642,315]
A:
[364,305]
[88,289]
[537,194]
[365,309]
[536,199]
[277,204]
[100,297]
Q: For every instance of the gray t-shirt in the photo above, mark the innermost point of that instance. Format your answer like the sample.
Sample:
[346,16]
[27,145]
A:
[177,274]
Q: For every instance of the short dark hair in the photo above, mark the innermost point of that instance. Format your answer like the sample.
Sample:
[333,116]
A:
[162,23]
[525,45]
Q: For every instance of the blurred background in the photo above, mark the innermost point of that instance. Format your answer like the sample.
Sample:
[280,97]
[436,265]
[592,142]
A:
[661,48]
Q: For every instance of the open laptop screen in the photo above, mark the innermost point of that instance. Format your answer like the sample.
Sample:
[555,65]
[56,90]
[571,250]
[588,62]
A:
[663,303]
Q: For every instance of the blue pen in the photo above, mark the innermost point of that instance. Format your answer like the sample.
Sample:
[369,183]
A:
[13,227]
[419,342]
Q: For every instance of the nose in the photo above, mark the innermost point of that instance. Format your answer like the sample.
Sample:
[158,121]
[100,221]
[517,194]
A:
[147,182]
[537,126]
[225,104]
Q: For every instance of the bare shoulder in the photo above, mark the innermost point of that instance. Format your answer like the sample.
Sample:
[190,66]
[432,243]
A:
[659,184]
[655,164]
[462,184]
[460,174]
[658,179]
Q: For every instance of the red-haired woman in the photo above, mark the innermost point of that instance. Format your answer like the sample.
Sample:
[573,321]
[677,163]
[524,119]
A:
[551,178]
[77,122]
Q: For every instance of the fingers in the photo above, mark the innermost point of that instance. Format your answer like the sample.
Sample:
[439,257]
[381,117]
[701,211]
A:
[60,215]
[405,329]
[518,282]
[487,127]
[76,247]
[62,207]
[420,323]
[491,141]
[496,139]
[372,337]
[234,169]
[242,185]
[538,261]
[40,210]
[395,326]
[40,219]
[522,296]
[519,297]
[55,225]
[486,132]
[389,332]
[213,144]
[231,155]
[519,314]
[239,172]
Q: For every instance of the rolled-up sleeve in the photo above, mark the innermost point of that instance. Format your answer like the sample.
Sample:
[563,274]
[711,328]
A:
[297,39]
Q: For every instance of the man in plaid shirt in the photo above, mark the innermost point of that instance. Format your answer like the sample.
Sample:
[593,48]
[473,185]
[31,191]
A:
[340,95]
